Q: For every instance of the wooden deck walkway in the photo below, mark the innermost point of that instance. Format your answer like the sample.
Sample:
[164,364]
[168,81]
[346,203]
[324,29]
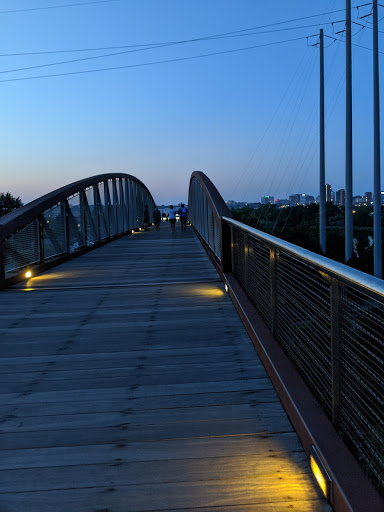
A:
[129,384]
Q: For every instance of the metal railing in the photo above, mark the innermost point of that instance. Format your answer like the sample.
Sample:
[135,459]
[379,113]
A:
[70,219]
[328,318]
[206,208]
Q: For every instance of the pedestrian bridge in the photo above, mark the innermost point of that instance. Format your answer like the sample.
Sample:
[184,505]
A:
[130,379]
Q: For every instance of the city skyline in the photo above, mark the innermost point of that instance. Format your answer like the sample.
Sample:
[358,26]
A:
[336,196]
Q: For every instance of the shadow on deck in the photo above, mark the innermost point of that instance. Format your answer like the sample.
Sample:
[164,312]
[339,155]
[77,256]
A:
[130,384]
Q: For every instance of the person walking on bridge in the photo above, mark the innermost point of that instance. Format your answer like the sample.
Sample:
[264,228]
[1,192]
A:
[156,218]
[183,212]
[146,218]
[172,218]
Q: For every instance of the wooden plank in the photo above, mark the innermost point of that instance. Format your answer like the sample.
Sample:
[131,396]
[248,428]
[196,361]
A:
[266,416]
[118,369]
[261,445]
[103,404]
[157,358]
[124,431]
[199,378]
[168,496]
[118,472]
[139,391]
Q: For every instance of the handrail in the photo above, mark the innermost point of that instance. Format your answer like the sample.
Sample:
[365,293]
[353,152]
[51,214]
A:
[218,205]
[331,267]
[328,318]
[69,220]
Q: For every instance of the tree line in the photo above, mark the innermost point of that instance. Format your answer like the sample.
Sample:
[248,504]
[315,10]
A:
[8,203]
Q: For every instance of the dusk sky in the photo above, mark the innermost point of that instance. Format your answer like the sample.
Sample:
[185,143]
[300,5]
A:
[168,87]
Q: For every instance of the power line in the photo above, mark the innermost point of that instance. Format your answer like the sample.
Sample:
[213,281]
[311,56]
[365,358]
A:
[71,61]
[353,44]
[77,4]
[166,61]
[140,49]
[155,45]
[238,33]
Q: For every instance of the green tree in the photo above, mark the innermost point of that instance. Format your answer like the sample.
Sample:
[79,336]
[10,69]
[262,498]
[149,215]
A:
[8,203]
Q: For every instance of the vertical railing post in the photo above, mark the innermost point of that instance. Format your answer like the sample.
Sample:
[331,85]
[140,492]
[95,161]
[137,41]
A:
[137,202]
[96,210]
[114,206]
[232,251]
[121,206]
[41,237]
[67,231]
[226,246]
[83,219]
[273,255]
[141,205]
[246,254]
[335,348]
[107,206]
[126,204]
[134,197]
[2,258]
[133,205]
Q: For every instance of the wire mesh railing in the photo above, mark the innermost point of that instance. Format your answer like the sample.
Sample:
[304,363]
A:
[328,318]
[72,218]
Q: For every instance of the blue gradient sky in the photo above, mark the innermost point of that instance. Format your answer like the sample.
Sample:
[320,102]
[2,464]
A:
[248,119]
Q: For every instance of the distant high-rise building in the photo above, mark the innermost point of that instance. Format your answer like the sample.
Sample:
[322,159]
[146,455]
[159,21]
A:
[267,200]
[328,193]
[282,202]
[294,199]
[305,199]
[368,197]
[340,197]
[358,200]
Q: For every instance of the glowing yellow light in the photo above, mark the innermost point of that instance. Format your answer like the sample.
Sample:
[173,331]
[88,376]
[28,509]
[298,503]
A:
[51,276]
[200,290]
[226,287]
[320,474]
[133,230]
[28,274]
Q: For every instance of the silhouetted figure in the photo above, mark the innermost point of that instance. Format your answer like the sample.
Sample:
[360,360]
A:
[146,218]
[183,212]
[172,218]
[156,218]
